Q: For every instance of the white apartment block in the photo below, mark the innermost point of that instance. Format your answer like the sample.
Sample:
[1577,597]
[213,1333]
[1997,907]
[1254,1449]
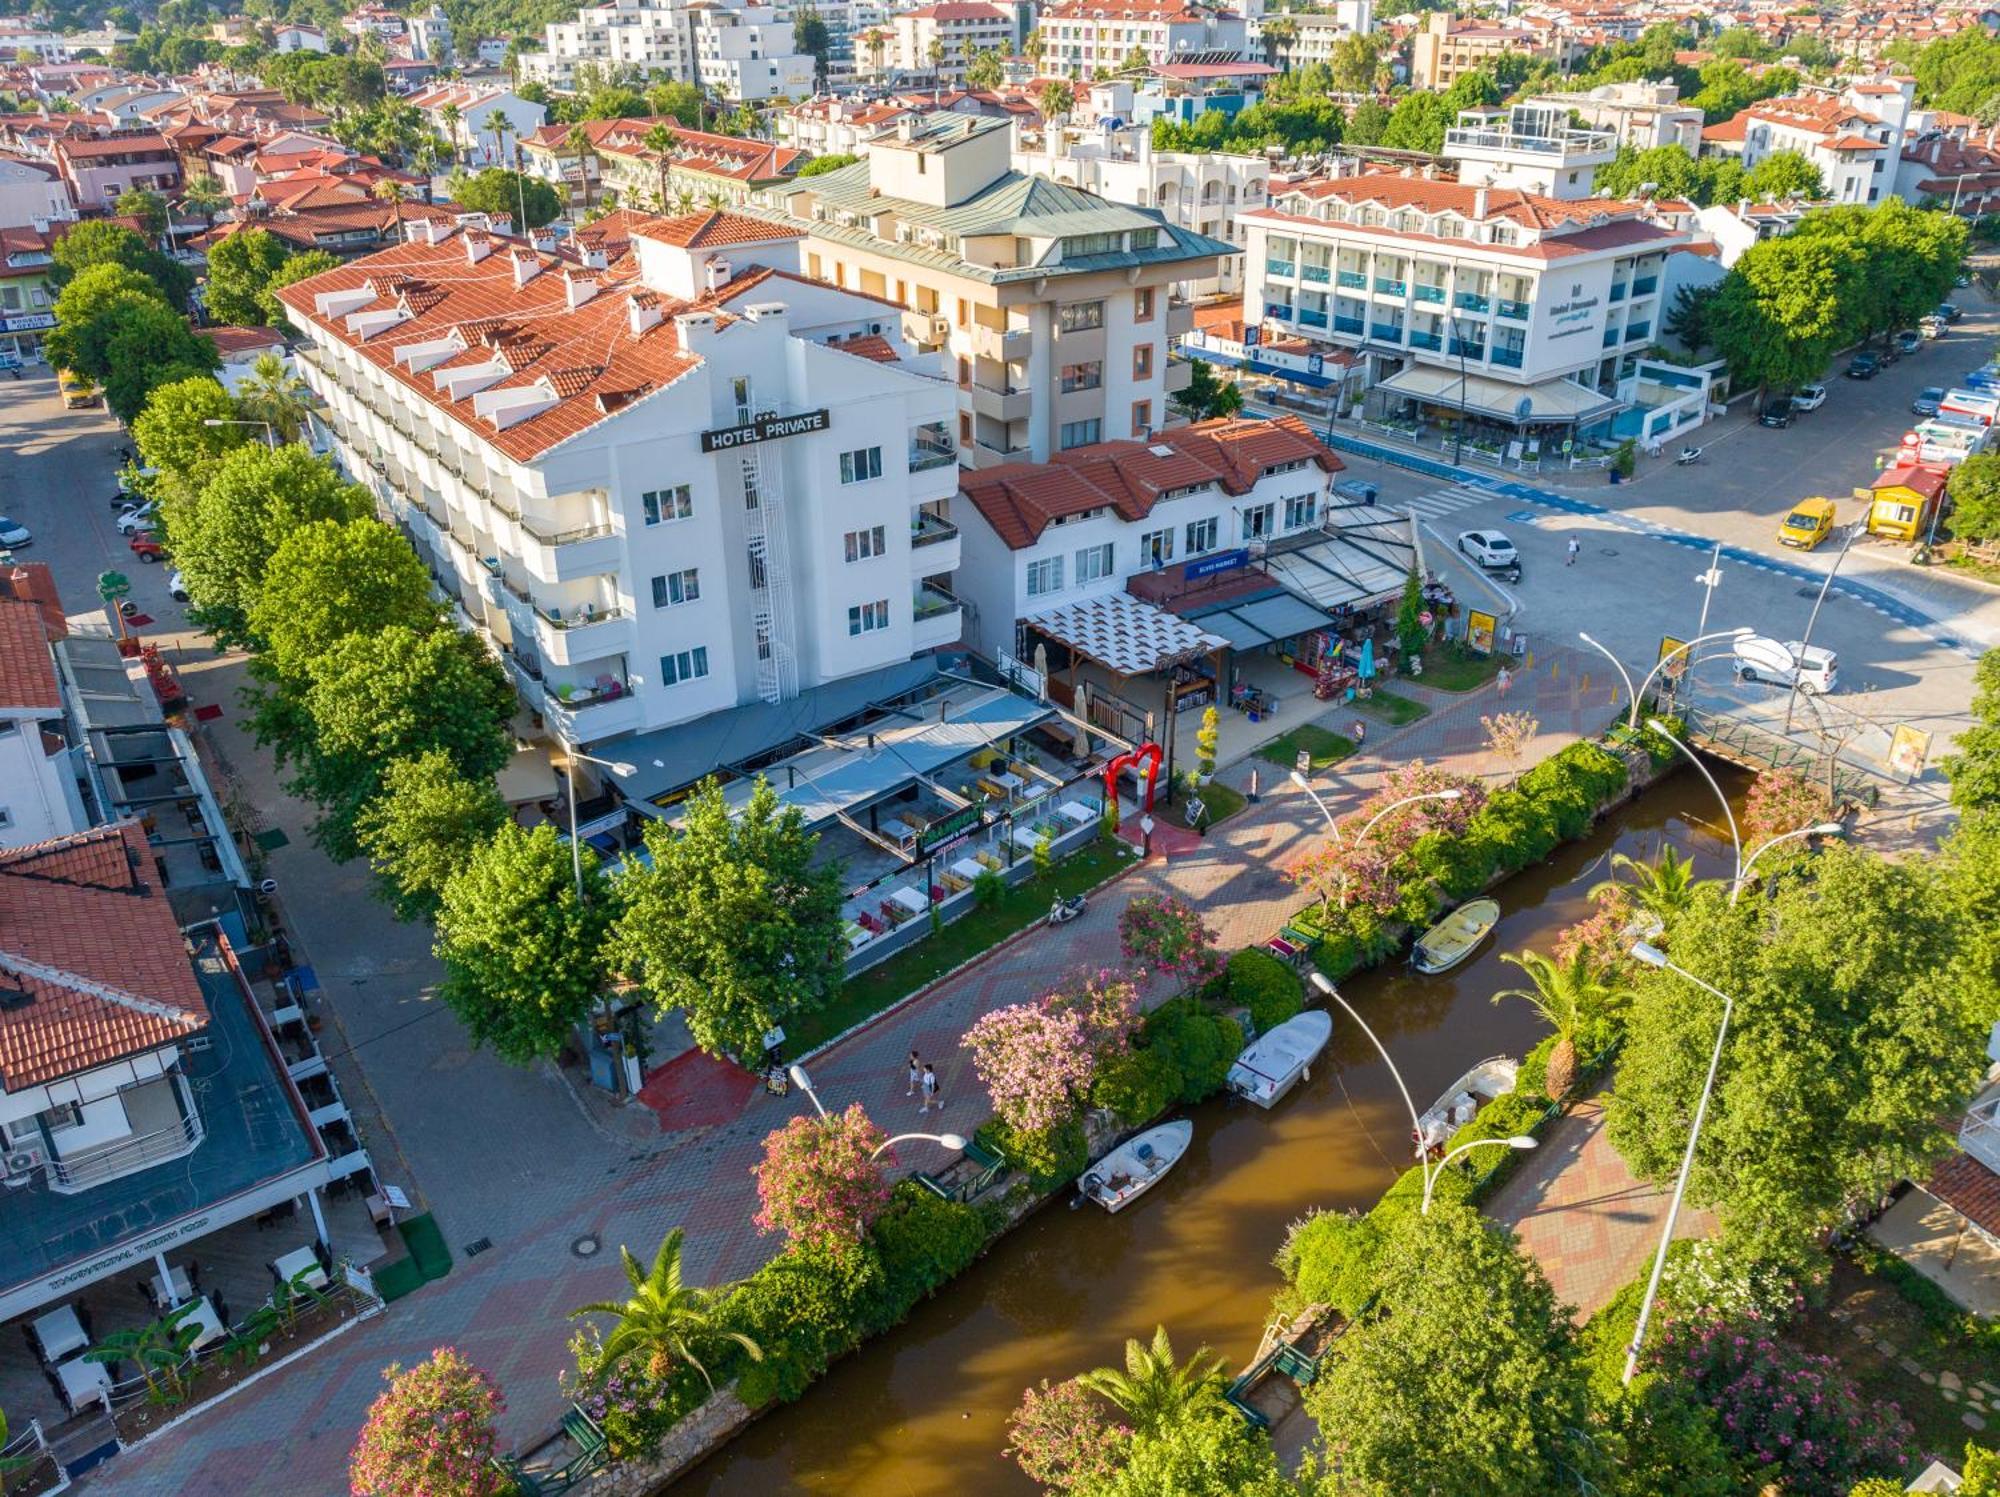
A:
[1081,36]
[39,798]
[298,37]
[1055,307]
[934,39]
[32,194]
[746,55]
[691,482]
[1641,115]
[1201,191]
[465,115]
[1315,38]
[430,35]
[1853,135]
[741,49]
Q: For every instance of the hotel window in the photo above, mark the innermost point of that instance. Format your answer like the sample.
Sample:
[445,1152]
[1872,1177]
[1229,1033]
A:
[677,588]
[1082,376]
[1082,433]
[1093,563]
[1258,520]
[1299,510]
[1202,535]
[667,504]
[861,465]
[866,618]
[763,632]
[1142,361]
[1080,317]
[862,544]
[1142,418]
[1045,576]
[1142,304]
[686,665]
[1156,547]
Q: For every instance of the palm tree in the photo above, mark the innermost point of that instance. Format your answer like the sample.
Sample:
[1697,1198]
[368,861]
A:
[1568,994]
[1154,1390]
[272,392]
[451,115]
[578,140]
[1031,48]
[388,191]
[1661,889]
[500,127]
[664,1320]
[661,140]
[877,42]
[160,1351]
[937,72]
[204,195]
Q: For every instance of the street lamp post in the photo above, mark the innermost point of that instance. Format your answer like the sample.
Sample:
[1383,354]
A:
[1632,718]
[1333,826]
[1817,829]
[270,431]
[804,1083]
[1805,640]
[1729,816]
[949,1140]
[1431,1172]
[1652,956]
[619,767]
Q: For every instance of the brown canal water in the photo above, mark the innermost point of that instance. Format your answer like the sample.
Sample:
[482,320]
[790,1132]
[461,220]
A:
[922,1411]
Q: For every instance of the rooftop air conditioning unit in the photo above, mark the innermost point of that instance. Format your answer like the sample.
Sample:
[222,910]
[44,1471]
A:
[21,1164]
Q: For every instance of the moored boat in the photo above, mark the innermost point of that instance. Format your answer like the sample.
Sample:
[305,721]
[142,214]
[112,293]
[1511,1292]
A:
[1135,1166]
[1492,1077]
[1276,1061]
[1455,937]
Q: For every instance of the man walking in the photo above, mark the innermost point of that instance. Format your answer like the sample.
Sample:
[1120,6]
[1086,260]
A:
[1575,546]
[916,1074]
[931,1097]
[1504,680]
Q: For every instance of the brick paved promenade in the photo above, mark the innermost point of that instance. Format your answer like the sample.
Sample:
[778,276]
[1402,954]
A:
[507,1308]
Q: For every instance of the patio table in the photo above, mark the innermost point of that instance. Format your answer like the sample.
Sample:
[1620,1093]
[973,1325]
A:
[203,1315]
[968,868]
[300,1261]
[911,900]
[1025,837]
[1078,812]
[84,1383]
[59,1333]
[1007,780]
[183,1288]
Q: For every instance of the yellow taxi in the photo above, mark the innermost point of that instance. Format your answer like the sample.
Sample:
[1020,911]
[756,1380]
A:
[77,392]
[1809,523]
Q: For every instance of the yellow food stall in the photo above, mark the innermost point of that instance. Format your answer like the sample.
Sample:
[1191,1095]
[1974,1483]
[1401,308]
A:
[1903,499]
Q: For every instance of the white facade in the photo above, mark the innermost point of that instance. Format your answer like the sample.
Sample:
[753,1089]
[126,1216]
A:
[430,36]
[39,799]
[31,196]
[1641,115]
[1853,136]
[464,114]
[746,55]
[1079,36]
[298,39]
[1315,38]
[944,31]
[743,50]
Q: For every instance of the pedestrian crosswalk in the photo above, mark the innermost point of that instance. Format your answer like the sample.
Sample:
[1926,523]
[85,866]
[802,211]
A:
[1449,500]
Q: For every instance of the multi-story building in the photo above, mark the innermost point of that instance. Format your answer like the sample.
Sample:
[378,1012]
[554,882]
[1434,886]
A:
[27,293]
[839,127]
[296,36]
[702,168]
[1304,40]
[740,48]
[1640,114]
[943,38]
[40,797]
[469,116]
[1081,36]
[1202,191]
[97,169]
[1530,147]
[1446,48]
[663,485]
[1055,307]
[429,35]
[745,54]
[1852,135]
[31,193]
[639,36]
[1524,300]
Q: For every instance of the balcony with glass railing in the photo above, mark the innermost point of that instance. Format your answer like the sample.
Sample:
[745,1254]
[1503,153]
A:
[1618,291]
[1463,350]
[1645,285]
[1507,358]
[1351,280]
[1513,311]
[1283,269]
[1432,294]
[1310,318]
[1348,325]
[1634,331]
[1316,274]
[1385,332]
[1611,337]
[1471,301]
[1431,341]
[1390,286]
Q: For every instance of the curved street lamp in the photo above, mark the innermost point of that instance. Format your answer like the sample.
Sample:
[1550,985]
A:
[1334,826]
[1518,1141]
[949,1140]
[1632,718]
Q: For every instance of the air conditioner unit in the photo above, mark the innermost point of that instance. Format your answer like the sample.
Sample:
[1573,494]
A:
[21,1164]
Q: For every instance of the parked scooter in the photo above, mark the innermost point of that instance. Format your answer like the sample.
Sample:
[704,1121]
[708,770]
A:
[1062,911]
[1689,456]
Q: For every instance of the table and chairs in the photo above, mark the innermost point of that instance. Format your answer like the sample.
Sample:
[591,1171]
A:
[286,1270]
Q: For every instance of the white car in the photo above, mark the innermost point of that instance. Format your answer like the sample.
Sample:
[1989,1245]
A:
[1812,669]
[1809,398]
[14,533]
[177,586]
[138,517]
[1489,548]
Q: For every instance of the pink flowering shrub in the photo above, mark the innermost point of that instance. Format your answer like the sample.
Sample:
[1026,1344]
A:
[1403,826]
[1785,1409]
[1359,876]
[1601,932]
[1780,801]
[431,1433]
[1061,1439]
[1164,933]
[632,1405]
[1107,1002]
[817,1182]
[1035,1062]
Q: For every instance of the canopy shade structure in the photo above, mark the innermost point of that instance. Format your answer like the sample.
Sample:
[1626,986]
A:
[1124,635]
[1553,402]
[1251,623]
[1354,566]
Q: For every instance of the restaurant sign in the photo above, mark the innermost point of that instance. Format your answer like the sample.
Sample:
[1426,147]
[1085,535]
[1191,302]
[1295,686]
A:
[763,429]
[948,828]
[1222,561]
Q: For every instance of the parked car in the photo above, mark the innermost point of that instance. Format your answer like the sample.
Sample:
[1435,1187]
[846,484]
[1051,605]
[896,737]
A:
[177,586]
[146,546]
[1813,670]
[14,533]
[1777,412]
[1909,340]
[137,517]
[1950,311]
[1863,366]
[1932,327]
[1928,400]
[1355,491]
[1809,398]
[1489,548]
[1809,523]
[1889,354]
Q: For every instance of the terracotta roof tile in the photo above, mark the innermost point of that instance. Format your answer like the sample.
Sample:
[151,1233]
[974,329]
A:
[869,346]
[27,673]
[1969,1188]
[709,229]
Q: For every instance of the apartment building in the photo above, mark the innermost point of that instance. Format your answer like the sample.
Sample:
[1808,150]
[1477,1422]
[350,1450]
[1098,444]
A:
[1055,308]
[1446,48]
[702,168]
[31,192]
[1525,300]
[1304,40]
[1081,36]
[1200,191]
[1853,135]
[480,122]
[1640,114]
[428,35]
[740,48]
[97,169]
[39,794]
[636,35]
[663,484]
[745,54]
[298,37]
[942,39]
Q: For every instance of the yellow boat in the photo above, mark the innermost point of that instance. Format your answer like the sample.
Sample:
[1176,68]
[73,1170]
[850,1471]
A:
[1453,938]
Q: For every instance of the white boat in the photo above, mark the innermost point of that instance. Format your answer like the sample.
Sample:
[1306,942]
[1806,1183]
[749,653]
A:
[1132,1169]
[1276,1061]
[1492,1077]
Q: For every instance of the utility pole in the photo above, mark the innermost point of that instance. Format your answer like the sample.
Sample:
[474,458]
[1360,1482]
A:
[1805,643]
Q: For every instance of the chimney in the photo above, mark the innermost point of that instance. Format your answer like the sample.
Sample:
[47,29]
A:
[477,246]
[1743,208]
[594,257]
[541,239]
[715,274]
[578,287]
[1479,203]
[526,267]
[642,311]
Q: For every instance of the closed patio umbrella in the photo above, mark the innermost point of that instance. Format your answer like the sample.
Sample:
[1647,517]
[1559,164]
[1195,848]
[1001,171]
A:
[1366,666]
[1042,667]
[1082,710]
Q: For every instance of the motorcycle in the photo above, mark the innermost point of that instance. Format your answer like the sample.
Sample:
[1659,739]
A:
[1062,911]
[1689,456]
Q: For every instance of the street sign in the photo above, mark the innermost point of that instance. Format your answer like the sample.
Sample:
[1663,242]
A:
[1304,763]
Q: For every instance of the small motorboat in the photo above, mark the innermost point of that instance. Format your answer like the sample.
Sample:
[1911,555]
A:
[1453,938]
[1135,1166]
[1278,1060]
[1460,1104]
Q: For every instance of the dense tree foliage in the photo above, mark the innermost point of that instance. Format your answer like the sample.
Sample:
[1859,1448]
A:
[240,269]
[499,191]
[101,242]
[424,827]
[329,579]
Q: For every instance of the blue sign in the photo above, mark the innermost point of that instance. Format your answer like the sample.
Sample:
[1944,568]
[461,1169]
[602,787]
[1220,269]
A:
[1315,364]
[1251,334]
[1222,561]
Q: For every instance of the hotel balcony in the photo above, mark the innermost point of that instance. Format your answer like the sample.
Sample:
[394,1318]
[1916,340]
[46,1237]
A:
[162,1124]
[1432,294]
[576,636]
[1507,358]
[935,546]
[1284,270]
[1645,286]
[938,617]
[1348,325]
[1388,286]
[593,713]
[1180,318]
[1471,301]
[1351,280]
[1513,311]
[1009,347]
[552,555]
[1316,274]
[1001,405]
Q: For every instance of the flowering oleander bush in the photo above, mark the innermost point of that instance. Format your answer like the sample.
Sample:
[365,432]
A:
[1780,801]
[1061,1439]
[1107,1004]
[1035,1062]
[1789,1411]
[1601,932]
[430,1433]
[634,1407]
[1709,1281]
[1164,933]
[818,1182]
[1401,827]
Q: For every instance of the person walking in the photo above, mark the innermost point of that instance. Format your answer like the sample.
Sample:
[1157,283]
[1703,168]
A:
[916,1074]
[1504,680]
[931,1097]
[1575,546]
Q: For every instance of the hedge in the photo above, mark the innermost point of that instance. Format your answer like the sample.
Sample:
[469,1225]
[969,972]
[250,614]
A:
[1269,988]
[1200,1044]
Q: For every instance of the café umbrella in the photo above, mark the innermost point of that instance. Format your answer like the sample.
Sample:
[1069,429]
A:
[1365,667]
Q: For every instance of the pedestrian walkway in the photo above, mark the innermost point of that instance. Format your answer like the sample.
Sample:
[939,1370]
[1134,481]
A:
[506,1308]
[1582,1214]
[1449,500]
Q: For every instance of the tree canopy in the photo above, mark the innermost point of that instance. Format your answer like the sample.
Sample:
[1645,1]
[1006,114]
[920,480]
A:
[497,190]
[99,242]
[240,269]
[424,827]
[170,436]
[328,579]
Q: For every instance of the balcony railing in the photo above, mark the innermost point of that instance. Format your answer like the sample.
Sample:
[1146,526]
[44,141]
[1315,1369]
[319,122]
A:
[1280,313]
[1390,287]
[1507,358]
[1618,293]
[1283,268]
[927,455]
[932,600]
[1472,301]
[1430,294]
[1570,142]
[1637,330]
[96,1165]
[593,531]
[1432,341]
[1514,311]
[1347,325]
[1320,274]
[1611,337]
[1646,286]
[1353,280]
[1385,332]
[929,530]
[581,618]
[1312,319]
[1460,350]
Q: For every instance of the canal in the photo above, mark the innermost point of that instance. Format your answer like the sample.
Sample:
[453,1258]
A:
[922,1411]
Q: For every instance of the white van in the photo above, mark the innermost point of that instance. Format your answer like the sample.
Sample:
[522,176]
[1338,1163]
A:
[1813,669]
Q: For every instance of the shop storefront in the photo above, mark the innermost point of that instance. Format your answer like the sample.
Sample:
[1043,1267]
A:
[21,335]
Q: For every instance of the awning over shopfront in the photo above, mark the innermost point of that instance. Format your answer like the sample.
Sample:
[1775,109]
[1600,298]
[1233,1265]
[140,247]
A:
[1124,635]
[1354,567]
[1553,402]
[1252,623]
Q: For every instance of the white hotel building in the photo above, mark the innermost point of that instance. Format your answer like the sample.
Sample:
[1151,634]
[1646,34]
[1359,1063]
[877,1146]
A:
[1511,282]
[665,481]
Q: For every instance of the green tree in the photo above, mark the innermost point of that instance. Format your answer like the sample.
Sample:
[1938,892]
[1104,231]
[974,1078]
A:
[272,394]
[1975,497]
[169,434]
[665,1321]
[1669,170]
[88,311]
[1154,1390]
[1663,888]
[331,578]
[1411,632]
[733,923]
[1211,1453]
[224,538]
[148,207]
[1468,1382]
[1778,315]
[1368,123]
[820,165]
[376,698]
[1356,60]
[423,828]
[298,268]
[1687,320]
[662,140]
[498,191]
[1974,771]
[101,242]
[1782,175]
[811,36]
[615,103]
[524,957]
[1418,123]
[1057,98]
[206,196]
[985,70]
[682,103]
[149,345]
[1574,996]
[239,272]
[1851,1038]
[1204,396]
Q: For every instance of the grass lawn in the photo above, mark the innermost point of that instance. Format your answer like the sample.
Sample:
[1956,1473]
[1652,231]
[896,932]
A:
[1222,803]
[1386,706]
[889,981]
[1324,746]
[1450,668]
[1973,568]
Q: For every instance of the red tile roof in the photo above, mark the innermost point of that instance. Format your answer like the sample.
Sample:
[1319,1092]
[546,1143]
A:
[27,673]
[709,229]
[869,346]
[90,915]
[230,340]
[1921,478]
[1969,1188]
[33,582]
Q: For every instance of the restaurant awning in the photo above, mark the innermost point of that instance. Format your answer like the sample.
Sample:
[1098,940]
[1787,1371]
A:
[1124,635]
[1355,566]
[1553,402]
[1251,623]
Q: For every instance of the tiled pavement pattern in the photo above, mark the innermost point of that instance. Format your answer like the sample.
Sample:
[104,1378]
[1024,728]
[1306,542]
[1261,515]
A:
[507,1308]
[1586,1220]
